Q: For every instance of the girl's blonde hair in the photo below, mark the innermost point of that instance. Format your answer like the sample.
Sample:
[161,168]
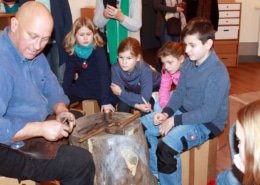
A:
[249,118]
[70,39]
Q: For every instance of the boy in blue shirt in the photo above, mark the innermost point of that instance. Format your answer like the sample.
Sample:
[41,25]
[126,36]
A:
[197,110]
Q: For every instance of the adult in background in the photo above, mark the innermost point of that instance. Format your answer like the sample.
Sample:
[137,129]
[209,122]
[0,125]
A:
[30,92]
[54,50]
[166,9]
[203,8]
[121,19]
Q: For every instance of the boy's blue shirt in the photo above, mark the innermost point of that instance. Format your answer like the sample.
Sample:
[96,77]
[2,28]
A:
[29,90]
[202,93]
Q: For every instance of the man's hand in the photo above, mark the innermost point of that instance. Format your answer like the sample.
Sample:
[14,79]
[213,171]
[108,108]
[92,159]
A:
[70,119]
[53,130]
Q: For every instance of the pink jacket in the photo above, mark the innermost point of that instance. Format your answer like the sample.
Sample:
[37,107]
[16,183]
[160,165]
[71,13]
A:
[165,86]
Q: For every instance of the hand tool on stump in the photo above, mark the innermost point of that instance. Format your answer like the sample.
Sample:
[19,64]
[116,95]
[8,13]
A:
[119,128]
[111,130]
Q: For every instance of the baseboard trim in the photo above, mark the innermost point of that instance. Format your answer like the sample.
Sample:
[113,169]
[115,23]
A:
[248,58]
[248,48]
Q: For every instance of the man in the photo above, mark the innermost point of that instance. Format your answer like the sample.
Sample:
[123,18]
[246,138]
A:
[30,92]
[54,50]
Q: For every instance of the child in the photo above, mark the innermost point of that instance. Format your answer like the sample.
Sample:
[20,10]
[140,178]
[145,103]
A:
[133,80]
[198,108]
[247,130]
[86,53]
[232,175]
[172,56]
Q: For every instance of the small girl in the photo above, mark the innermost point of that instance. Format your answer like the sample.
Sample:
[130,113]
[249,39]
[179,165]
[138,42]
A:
[172,55]
[87,55]
[133,80]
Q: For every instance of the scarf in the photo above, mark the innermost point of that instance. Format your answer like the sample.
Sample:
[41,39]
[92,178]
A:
[83,51]
[116,33]
[180,15]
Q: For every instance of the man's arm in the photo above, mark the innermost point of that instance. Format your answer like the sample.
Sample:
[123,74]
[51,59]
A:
[51,130]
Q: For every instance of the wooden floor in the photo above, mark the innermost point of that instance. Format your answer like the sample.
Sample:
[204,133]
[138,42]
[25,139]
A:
[244,78]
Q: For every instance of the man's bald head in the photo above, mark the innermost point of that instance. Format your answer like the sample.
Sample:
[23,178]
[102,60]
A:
[31,28]
[33,10]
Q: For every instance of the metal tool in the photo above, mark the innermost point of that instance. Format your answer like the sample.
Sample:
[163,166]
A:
[145,102]
[119,128]
[112,128]
[65,121]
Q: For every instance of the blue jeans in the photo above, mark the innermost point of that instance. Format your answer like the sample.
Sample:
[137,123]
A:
[194,135]
[227,177]
[157,107]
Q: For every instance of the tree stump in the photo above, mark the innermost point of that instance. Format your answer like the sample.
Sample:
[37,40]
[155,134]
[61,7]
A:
[119,159]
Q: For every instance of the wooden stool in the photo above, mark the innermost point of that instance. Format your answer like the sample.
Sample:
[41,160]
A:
[12,181]
[90,106]
[199,164]
[236,102]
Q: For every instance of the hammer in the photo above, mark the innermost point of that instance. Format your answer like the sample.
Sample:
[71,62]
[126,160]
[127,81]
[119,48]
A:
[119,128]
[112,128]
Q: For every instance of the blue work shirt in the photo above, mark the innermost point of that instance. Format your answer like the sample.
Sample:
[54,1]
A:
[29,90]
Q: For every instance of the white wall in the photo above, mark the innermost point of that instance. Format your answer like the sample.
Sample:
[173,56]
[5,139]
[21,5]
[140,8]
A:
[75,6]
[250,18]
[250,21]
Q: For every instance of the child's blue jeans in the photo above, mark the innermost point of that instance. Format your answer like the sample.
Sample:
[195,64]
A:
[193,134]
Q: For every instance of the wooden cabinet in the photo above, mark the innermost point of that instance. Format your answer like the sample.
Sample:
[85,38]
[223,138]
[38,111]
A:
[227,36]
[5,19]
[87,12]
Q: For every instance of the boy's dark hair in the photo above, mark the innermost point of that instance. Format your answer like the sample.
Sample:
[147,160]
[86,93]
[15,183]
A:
[201,26]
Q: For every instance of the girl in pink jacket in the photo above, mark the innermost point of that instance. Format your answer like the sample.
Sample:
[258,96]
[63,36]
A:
[172,55]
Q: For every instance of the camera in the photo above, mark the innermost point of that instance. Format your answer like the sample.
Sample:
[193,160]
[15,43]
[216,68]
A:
[112,3]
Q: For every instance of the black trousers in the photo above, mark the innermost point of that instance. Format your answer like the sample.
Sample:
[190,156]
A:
[72,166]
